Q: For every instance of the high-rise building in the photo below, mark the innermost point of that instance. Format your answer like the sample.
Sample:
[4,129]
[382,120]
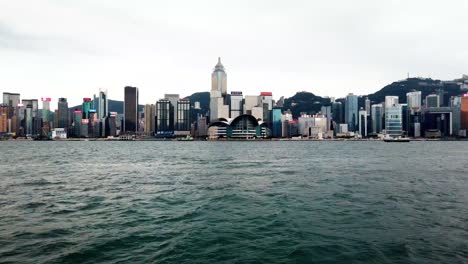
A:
[86,107]
[77,117]
[351,112]
[111,124]
[164,118]
[464,112]
[103,104]
[337,112]
[34,106]
[277,123]
[11,100]
[130,109]
[413,100]
[173,98]
[183,117]
[62,114]
[377,116]
[219,79]
[236,104]
[362,123]
[393,120]
[45,109]
[150,117]
[218,100]
[368,106]
[432,100]
[4,108]
[327,112]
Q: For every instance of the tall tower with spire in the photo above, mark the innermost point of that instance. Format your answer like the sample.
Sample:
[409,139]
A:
[219,79]
[218,93]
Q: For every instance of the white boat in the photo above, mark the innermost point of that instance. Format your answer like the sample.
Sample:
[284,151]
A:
[396,139]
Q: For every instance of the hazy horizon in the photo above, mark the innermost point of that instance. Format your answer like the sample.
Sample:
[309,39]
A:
[71,49]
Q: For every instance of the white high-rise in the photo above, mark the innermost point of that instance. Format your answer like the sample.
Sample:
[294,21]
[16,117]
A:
[218,107]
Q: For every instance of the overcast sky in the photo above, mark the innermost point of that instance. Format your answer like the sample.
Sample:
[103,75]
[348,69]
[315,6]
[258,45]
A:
[64,48]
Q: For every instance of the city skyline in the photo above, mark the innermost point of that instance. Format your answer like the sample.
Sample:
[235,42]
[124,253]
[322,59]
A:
[328,49]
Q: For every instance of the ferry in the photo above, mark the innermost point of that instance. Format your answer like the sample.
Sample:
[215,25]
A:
[396,139]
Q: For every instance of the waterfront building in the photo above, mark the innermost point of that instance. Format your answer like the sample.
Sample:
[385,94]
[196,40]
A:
[77,117]
[173,98]
[443,121]
[164,118]
[367,104]
[183,118]
[4,108]
[86,106]
[201,127]
[34,104]
[218,101]
[45,109]
[103,104]
[432,100]
[130,124]
[337,114]
[377,116]
[351,111]
[393,119]
[11,100]
[62,114]
[464,112]
[59,133]
[150,117]
[277,123]
[312,126]
[236,105]
[362,123]
[241,127]
[327,112]
[111,124]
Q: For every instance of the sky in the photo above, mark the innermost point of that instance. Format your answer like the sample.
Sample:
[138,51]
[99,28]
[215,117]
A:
[64,48]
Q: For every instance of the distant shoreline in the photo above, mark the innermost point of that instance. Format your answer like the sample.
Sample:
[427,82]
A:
[228,140]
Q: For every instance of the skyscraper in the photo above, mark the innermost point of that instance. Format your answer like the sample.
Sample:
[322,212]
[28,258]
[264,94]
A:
[62,114]
[218,105]
[368,106]
[45,109]
[393,120]
[183,117]
[150,116]
[77,118]
[464,112]
[11,100]
[4,118]
[351,112]
[337,112]
[277,123]
[130,109]
[86,107]
[377,116]
[362,123]
[164,118]
[173,99]
[219,79]
[103,104]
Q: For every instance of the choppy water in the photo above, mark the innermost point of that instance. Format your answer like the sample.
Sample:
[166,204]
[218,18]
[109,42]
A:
[233,202]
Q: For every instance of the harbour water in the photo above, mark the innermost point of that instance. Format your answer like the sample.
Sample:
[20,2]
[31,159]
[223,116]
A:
[233,202]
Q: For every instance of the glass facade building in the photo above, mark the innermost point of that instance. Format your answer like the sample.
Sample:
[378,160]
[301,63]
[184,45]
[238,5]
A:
[393,120]
[377,116]
[130,109]
[183,115]
[277,123]
[62,114]
[164,117]
[351,112]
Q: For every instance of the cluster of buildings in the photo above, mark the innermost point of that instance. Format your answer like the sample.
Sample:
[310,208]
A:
[234,116]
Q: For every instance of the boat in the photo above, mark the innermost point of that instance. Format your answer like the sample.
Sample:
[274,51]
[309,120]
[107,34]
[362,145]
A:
[396,139]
